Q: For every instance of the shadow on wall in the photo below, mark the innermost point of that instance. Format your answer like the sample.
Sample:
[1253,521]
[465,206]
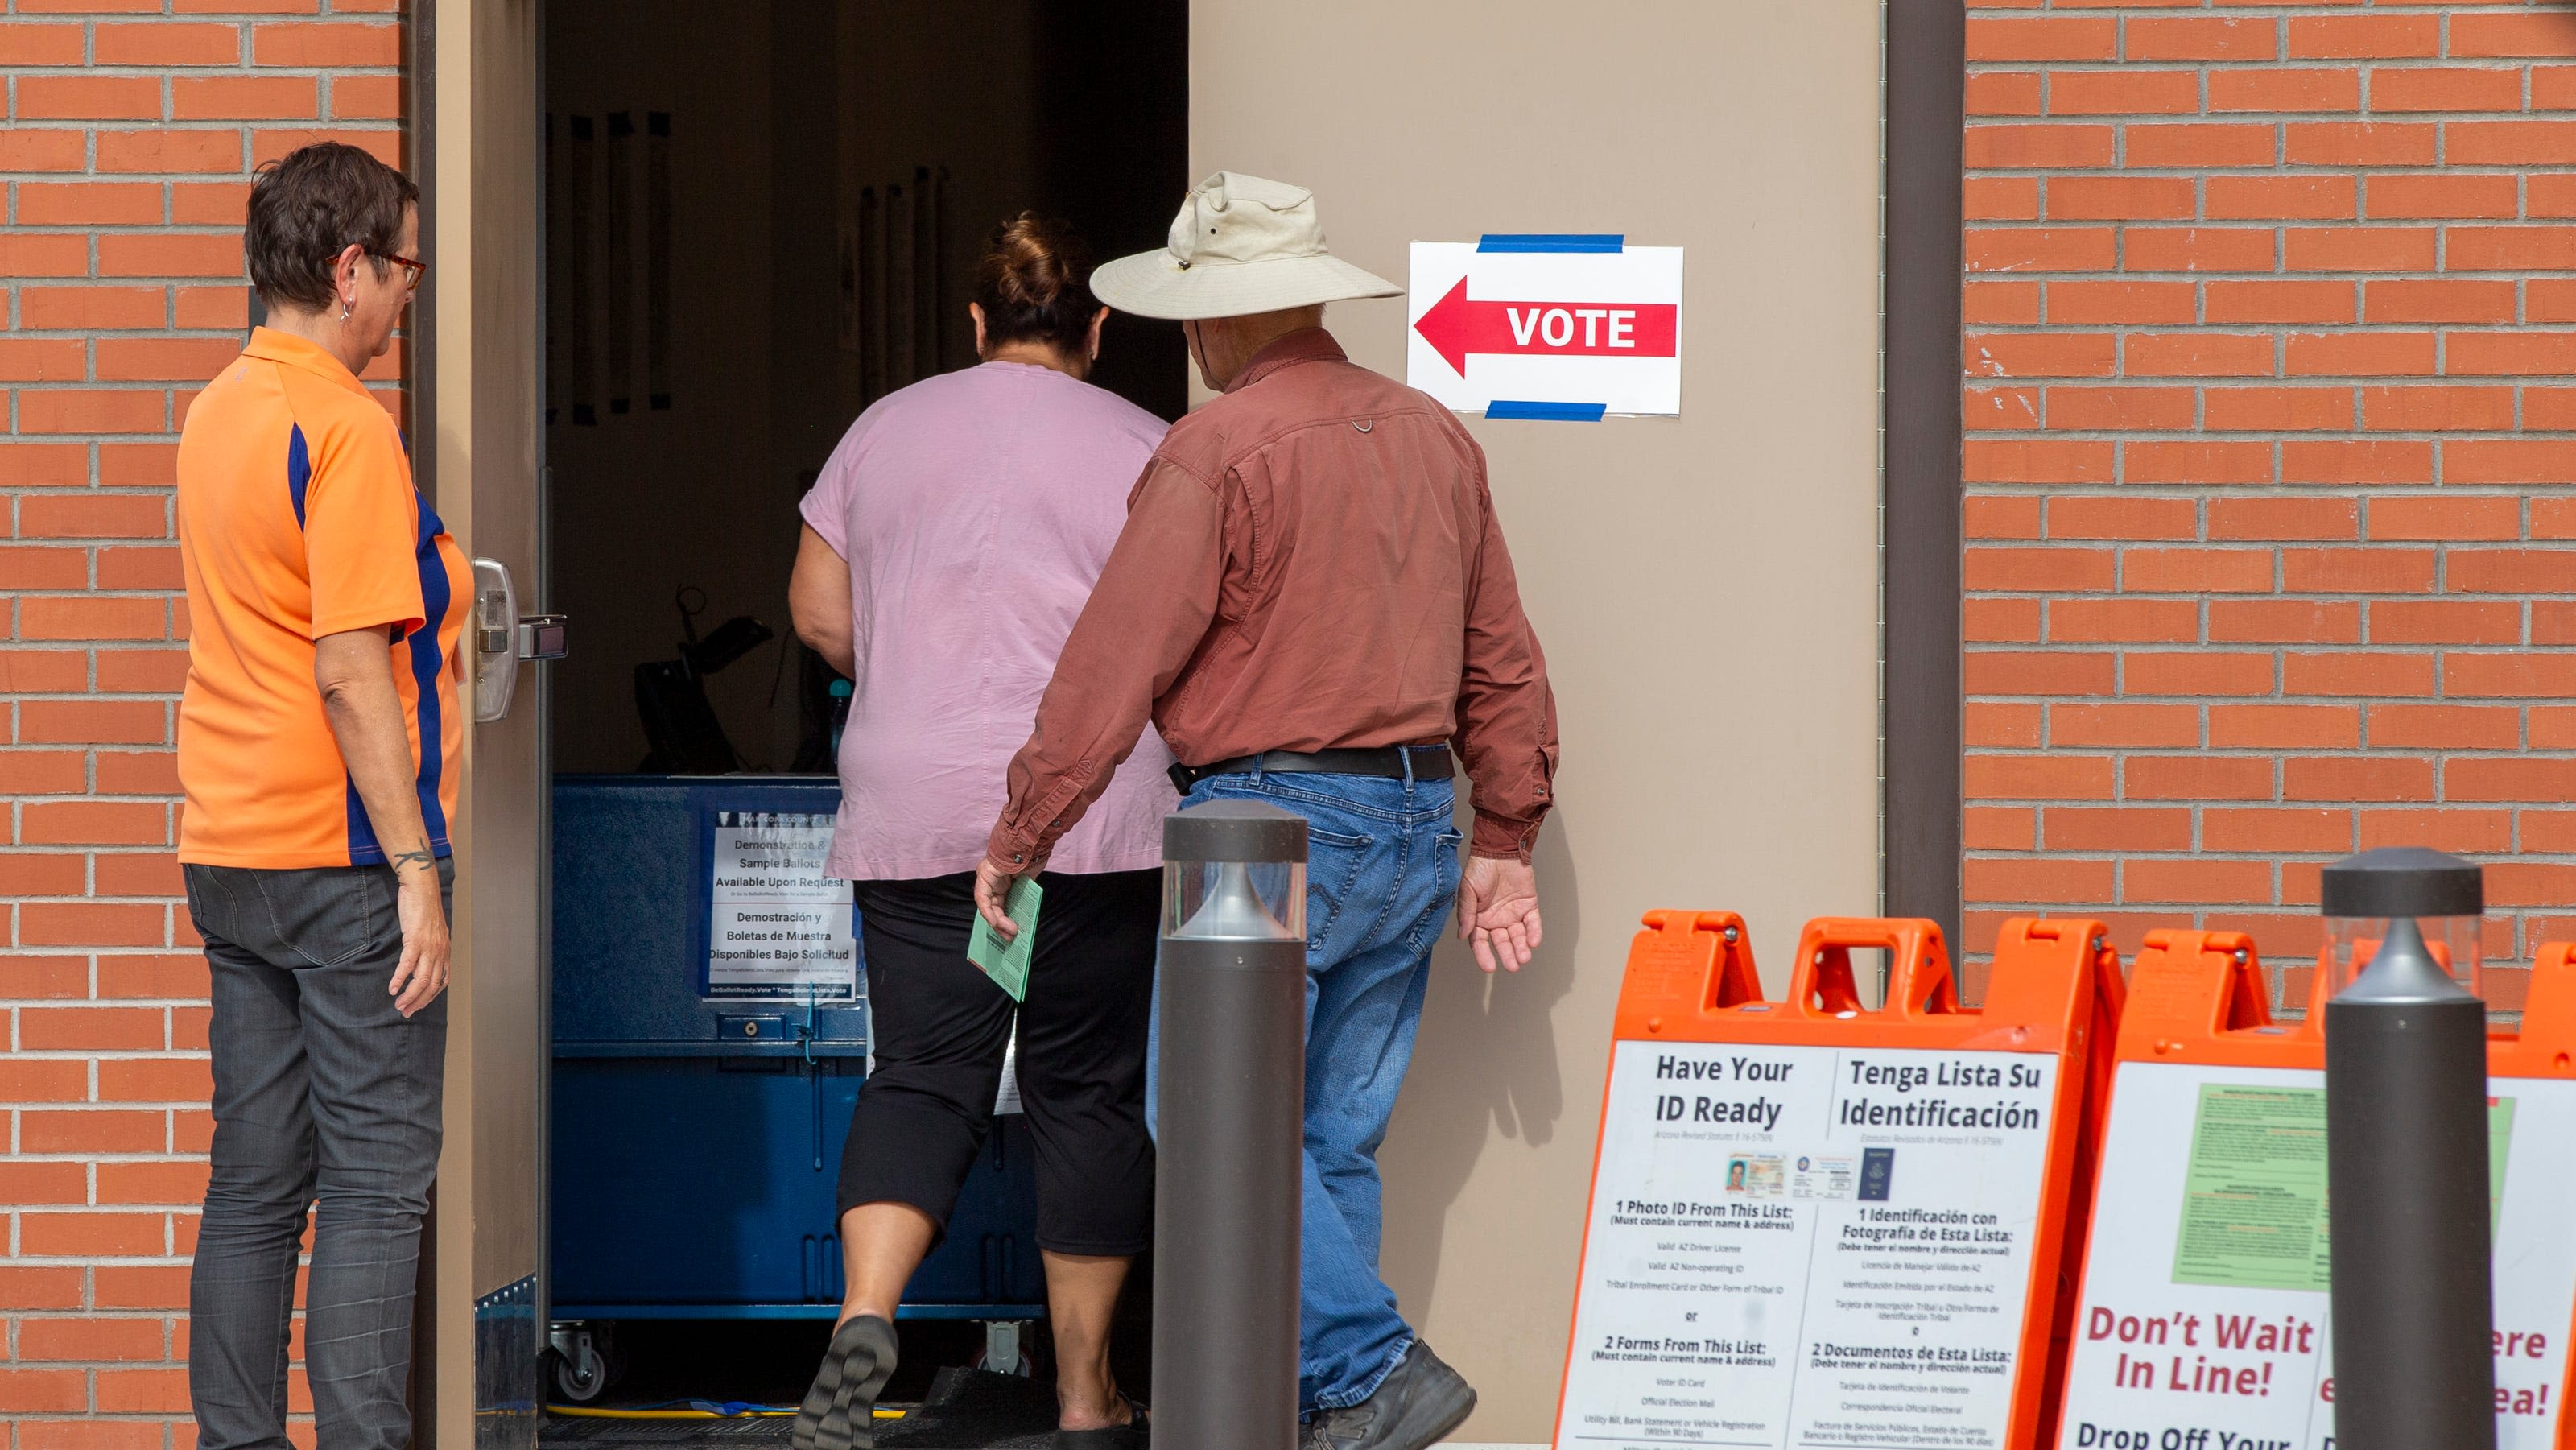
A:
[1487,1053]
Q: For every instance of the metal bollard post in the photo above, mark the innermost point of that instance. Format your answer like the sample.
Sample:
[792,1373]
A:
[1230,1107]
[2406,1154]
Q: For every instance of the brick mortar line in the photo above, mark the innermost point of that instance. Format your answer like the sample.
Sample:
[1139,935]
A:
[2228,170]
[2228,64]
[101,898]
[2009,120]
[103,1054]
[2248,752]
[2312,382]
[2303,648]
[2438,116]
[2291,856]
[2217,274]
[184,231]
[2273,753]
[2276,329]
[2254,544]
[2223,66]
[2275,10]
[1982,119]
[150,334]
[2241,274]
[2078,434]
[114,1261]
[215,70]
[2304,277]
[147,1004]
[2331,702]
[119,1158]
[2285,596]
[2045,803]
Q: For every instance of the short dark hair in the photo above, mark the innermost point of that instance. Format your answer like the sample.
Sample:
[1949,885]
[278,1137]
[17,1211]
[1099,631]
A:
[311,204]
[1034,284]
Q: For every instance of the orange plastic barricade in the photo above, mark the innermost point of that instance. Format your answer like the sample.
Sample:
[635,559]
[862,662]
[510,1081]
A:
[2202,1322]
[1816,1224]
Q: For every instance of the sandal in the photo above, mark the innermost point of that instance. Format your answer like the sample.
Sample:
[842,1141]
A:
[1136,1434]
[840,1411]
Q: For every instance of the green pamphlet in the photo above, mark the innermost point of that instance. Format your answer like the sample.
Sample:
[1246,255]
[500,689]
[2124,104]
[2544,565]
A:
[2254,1211]
[1008,966]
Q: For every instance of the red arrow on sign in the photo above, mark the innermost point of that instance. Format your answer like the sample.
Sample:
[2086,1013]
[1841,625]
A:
[1456,326]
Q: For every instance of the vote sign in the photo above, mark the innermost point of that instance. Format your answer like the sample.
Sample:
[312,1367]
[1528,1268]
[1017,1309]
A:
[1572,327]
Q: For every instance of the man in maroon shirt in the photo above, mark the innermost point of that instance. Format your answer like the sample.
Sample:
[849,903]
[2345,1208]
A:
[1312,600]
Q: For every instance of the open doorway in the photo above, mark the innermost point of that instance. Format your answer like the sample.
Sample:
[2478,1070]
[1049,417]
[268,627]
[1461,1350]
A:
[760,217]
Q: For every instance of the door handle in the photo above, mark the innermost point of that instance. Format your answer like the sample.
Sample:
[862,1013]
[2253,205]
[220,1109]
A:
[504,637]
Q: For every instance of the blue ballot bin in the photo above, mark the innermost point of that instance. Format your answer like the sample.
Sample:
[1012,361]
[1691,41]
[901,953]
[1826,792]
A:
[710,1037]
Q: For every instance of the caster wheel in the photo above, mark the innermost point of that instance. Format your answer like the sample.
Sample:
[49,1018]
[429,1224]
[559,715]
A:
[583,1367]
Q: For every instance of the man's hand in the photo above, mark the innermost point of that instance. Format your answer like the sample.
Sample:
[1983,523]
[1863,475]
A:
[993,893]
[422,973]
[1498,911]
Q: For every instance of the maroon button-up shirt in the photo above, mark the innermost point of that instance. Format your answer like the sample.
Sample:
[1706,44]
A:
[1309,562]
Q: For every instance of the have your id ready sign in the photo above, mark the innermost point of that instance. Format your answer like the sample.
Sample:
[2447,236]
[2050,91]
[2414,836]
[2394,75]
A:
[1797,1247]
[1573,327]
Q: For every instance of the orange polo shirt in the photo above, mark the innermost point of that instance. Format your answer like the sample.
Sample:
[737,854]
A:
[297,519]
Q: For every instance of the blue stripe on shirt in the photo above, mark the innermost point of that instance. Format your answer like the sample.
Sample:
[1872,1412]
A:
[299,470]
[427,665]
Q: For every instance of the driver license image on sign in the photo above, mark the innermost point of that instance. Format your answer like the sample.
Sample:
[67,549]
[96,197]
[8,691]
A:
[1795,1247]
[776,925]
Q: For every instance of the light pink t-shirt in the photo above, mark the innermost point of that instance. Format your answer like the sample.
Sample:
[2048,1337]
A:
[976,509]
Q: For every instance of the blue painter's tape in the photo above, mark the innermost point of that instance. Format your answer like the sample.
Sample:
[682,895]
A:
[1551,242]
[1549,412]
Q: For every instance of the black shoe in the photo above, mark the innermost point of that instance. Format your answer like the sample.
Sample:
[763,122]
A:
[1136,1434]
[840,1411]
[1421,1401]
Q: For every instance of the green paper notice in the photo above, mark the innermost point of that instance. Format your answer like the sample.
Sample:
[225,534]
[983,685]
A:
[2254,1213]
[1008,966]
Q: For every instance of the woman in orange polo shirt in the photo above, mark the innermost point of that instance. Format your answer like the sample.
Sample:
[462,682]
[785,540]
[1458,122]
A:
[319,738]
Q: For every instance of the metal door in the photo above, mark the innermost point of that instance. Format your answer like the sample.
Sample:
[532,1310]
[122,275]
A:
[474,95]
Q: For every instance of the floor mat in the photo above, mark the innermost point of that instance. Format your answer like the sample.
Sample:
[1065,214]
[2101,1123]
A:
[965,1410]
[972,1410]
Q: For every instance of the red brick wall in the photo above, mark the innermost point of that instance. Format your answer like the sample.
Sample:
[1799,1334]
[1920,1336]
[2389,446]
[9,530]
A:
[132,127]
[2269,311]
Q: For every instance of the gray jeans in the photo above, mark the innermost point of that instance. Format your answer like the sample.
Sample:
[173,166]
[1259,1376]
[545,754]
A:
[322,1092]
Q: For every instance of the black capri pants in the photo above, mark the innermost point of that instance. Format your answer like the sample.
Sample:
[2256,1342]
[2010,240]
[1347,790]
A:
[941,1027]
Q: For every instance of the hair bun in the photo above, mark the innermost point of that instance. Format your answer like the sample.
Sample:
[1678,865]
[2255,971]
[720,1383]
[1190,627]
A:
[1034,283]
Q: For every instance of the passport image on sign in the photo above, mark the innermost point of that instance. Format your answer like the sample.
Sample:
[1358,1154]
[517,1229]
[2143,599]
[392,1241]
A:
[1877,1166]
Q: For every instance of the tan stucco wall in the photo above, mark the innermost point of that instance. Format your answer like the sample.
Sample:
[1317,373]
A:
[1706,588]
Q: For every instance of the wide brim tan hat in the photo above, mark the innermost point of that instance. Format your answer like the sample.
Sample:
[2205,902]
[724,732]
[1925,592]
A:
[1240,245]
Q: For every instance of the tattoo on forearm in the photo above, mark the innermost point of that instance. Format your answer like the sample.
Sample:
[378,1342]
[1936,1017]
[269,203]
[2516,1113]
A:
[404,860]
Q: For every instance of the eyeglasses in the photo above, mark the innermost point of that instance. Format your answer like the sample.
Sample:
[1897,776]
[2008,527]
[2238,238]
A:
[413,268]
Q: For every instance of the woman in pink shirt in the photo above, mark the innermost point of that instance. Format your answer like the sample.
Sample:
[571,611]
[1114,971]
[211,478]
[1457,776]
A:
[949,544]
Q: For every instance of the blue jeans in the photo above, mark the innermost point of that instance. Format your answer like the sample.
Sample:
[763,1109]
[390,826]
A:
[1381,875]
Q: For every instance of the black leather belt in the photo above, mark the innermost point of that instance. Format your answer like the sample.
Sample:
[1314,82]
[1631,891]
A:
[1430,762]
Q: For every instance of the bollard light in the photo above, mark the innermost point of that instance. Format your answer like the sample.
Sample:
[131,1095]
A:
[1230,1107]
[2406,1153]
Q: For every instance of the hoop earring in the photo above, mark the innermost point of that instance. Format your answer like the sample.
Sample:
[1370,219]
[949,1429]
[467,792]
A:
[344,311]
